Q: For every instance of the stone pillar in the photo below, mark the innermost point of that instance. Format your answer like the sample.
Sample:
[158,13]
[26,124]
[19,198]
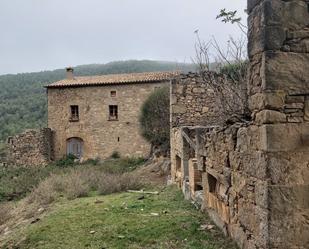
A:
[279,100]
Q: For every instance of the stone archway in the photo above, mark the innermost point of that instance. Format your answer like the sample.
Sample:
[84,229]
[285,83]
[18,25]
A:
[75,146]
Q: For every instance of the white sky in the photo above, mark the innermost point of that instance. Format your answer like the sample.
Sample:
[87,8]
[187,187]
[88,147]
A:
[40,35]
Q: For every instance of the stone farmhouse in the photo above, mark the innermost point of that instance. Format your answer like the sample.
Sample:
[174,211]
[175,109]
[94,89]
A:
[95,116]
[90,117]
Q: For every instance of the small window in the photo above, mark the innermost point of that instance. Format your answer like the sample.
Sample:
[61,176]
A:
[74,113]
[113,93]
[113,112]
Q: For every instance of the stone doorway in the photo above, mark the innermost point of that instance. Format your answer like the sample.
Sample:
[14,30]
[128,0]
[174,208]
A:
[75,147]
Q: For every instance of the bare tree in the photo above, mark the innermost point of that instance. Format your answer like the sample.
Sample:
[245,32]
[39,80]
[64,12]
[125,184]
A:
[224,70]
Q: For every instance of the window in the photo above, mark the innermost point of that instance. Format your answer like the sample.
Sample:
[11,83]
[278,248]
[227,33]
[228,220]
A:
[113,93]
[74,113]
[113,112]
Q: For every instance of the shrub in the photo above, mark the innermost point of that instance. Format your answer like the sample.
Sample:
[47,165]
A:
[5,212]
[115,155]
[66,161]
[113,183]
[3,150]
[155,118]
[122,165]
[44,193]
[77,184]
[94,161]
[17,182]
[80,182]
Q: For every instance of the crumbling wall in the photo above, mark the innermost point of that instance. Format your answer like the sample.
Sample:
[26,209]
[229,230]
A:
[31,148]
[192,103]
[255,175]
[235,184]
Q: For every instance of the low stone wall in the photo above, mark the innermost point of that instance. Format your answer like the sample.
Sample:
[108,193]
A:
[31,148]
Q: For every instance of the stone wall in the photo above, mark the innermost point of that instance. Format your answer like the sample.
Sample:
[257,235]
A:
[100,135]
[31,148]
[192,103]
[255,175]
[279,90]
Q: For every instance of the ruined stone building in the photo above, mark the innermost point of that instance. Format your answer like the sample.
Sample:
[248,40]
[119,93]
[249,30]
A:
[252,178]
[95,116]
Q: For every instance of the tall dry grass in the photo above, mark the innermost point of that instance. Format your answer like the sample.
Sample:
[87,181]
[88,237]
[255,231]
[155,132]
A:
[80,183]
[5,212]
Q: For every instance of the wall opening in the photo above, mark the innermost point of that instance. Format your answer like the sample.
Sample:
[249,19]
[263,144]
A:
[178,163]
[212,183]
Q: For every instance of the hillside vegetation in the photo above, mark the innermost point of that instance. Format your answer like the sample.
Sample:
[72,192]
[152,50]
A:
[23,98]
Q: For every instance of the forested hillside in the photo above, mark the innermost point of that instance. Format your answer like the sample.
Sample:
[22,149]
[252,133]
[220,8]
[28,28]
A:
[23,98]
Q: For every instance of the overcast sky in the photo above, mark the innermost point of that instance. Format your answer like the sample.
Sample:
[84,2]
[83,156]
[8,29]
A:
[48,34]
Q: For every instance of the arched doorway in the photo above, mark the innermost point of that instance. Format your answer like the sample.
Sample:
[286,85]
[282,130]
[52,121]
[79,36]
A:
[75,147]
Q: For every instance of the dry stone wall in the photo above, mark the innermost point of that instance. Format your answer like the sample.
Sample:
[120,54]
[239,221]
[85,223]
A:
[192,103]
[31,148]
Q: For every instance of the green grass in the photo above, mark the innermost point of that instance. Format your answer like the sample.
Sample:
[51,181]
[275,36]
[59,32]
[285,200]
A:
[121,221]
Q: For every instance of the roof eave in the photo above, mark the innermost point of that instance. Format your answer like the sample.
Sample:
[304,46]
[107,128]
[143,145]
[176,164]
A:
[105,84]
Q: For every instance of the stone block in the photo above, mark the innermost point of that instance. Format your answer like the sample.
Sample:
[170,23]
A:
[261,194]
[285,137]
[205,109]
[288,217]
[267,100]
[294,106]
[269,21]
[247,216]
[286,168]
[292,77]
[295,119]
[250,139]
[179,108]
[298,34]
[238,182]
[290,99]
[270,117]
[198,90]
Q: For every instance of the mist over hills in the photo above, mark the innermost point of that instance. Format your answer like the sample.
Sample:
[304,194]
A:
[23,102]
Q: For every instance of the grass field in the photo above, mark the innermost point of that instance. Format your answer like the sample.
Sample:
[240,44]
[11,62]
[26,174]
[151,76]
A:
[125,220]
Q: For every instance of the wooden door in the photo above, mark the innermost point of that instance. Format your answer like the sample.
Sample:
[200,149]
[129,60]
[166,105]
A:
[75,147]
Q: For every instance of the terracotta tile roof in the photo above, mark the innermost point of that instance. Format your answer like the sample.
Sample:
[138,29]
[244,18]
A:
[111,79]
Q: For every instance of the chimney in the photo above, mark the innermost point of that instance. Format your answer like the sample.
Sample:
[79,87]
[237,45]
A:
[70,75]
